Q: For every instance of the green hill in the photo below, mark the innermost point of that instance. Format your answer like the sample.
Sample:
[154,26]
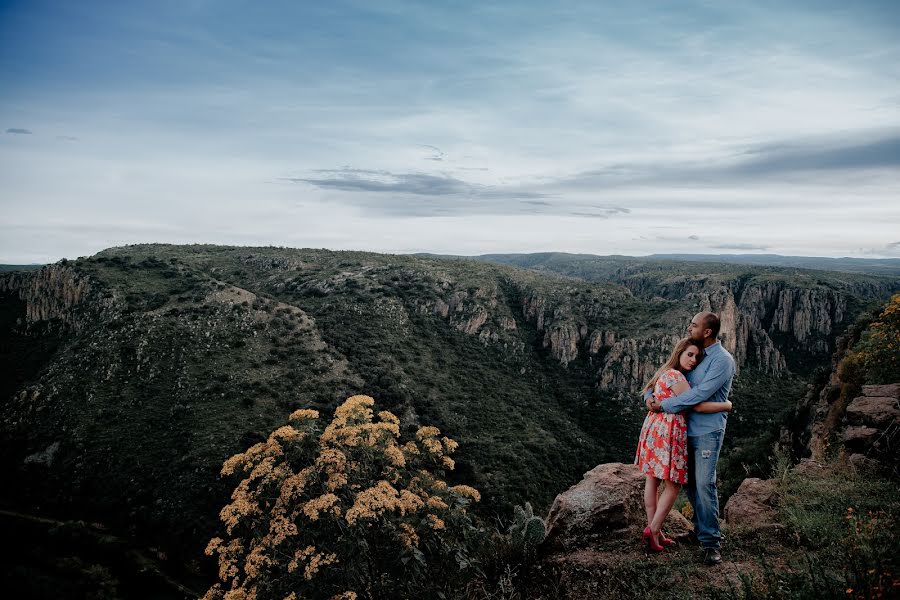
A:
[147,366]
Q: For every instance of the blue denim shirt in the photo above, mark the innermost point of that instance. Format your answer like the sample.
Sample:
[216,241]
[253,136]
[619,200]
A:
[710,380]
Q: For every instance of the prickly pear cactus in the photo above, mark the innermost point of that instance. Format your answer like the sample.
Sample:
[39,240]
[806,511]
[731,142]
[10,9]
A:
[527,529]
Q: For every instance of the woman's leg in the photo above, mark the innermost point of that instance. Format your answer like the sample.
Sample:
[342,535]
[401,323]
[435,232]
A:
[665,504]
[650,489]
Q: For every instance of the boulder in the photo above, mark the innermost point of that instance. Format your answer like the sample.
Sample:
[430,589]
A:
[891,390]
[753,505]
[609,500]
[875,411]
[810,468]
[860,436]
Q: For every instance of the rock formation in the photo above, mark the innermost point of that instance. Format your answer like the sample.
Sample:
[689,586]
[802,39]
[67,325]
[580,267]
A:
[608,500]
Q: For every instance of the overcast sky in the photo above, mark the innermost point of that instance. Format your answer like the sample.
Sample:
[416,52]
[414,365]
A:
[451,127]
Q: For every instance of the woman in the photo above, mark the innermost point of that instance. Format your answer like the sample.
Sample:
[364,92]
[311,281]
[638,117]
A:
[662,449]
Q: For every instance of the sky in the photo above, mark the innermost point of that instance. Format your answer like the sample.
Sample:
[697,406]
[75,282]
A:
[451,127]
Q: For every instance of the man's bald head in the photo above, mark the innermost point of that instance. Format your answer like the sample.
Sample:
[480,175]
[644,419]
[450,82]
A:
[704,328]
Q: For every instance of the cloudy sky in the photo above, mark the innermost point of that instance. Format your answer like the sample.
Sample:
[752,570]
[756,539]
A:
[451,127]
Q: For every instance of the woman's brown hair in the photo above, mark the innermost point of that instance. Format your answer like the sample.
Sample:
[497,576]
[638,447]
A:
[673,362]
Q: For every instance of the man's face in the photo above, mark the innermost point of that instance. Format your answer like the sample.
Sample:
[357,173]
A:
[695,330]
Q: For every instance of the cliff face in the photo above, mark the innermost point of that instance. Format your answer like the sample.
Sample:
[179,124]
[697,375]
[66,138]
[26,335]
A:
[761,322]
[855,408]
[58,293]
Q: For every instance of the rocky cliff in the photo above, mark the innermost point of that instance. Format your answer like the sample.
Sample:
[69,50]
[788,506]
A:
[59,294]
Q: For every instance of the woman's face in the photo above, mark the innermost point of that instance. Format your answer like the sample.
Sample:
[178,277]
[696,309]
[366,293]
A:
[688,358]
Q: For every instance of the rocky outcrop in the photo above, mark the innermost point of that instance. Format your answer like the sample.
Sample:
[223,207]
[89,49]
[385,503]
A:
[755,311]
[629,363]
[861,425]
[59,293]
[879,410]
[608,500]
[563,339]
[753,506]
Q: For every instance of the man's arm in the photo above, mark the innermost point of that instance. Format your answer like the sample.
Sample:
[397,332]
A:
[717,376]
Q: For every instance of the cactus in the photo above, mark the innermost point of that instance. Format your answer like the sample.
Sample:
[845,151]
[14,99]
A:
[527,529]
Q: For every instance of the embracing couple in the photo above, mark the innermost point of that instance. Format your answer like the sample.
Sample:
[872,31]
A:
[687,400]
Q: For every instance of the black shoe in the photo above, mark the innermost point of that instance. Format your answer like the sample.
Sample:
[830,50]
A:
[712,556]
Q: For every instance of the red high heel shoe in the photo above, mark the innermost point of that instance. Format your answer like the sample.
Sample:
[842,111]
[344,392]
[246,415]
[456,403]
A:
[666,542]
[650,540]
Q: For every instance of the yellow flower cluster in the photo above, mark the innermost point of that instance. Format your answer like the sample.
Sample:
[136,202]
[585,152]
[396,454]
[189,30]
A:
[256,561]
[380,498]
[408,535]
[304,414]
[286,434]
[327,503]
[466,492]
[333,496]
[332,463]
[434,521]
[436,503]
[281,529]
[252,457]
[318,561]
[299,557]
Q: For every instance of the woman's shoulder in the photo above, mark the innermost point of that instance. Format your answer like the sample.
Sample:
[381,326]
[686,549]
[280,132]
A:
[673,376]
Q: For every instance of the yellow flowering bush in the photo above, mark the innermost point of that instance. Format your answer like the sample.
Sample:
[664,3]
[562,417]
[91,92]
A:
[343,511]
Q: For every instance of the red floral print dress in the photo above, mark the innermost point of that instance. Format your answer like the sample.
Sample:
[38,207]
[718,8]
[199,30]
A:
[662,448]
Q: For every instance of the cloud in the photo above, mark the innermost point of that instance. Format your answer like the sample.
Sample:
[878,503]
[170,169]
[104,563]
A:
[67,138]
[612,210]
[591,215]
[393,194]
[360,180]
[418,184]
[779,161]
[436,153]
[693,237]
[739,247]
[18,130]
[893,246]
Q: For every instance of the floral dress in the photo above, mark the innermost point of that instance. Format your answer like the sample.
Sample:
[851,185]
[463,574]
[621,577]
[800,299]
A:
[662,448]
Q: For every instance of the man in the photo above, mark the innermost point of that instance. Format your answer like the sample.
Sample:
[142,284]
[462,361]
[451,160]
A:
[711,380]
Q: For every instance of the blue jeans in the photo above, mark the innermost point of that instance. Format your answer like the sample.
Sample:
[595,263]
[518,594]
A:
[703,453]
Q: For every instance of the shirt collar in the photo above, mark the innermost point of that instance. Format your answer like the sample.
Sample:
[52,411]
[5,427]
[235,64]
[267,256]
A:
[714,348]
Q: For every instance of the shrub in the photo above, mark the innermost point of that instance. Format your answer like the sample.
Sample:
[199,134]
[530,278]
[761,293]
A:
[344,512]
[878,353]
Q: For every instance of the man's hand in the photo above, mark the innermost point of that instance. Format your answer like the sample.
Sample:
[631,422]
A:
[653,404]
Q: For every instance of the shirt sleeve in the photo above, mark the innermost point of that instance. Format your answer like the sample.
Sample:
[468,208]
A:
[718,375]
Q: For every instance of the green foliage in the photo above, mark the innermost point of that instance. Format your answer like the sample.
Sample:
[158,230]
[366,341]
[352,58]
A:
[840,538]
[876,358]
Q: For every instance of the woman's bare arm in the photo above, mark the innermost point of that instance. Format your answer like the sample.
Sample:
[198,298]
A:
[713,407]
[703,407]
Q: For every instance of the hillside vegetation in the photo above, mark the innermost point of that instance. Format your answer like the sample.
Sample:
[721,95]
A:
[147,366]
